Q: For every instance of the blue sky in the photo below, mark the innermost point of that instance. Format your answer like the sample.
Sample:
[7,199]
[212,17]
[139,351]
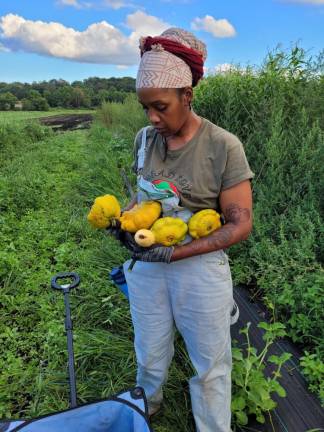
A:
[76,39]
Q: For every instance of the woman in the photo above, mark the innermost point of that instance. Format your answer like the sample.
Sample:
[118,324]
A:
[189,164]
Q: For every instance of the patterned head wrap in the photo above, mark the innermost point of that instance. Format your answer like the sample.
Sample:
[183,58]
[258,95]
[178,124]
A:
[173,60]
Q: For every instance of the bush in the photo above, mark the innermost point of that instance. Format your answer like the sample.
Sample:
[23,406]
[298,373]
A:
[7,101]
[126,118]
[276,112]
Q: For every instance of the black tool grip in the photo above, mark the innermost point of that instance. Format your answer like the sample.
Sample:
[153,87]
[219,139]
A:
[75,280]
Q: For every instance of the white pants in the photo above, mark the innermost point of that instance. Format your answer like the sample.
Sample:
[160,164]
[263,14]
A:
[197,295]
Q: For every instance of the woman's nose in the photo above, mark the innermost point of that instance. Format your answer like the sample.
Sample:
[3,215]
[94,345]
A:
[153,116]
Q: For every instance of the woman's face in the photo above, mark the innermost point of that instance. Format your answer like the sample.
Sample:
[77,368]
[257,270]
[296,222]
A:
[166,109]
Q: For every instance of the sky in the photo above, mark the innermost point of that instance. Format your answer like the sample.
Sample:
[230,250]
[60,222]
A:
[76,39]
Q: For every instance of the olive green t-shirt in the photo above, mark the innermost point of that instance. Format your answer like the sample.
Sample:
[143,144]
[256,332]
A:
[212,161]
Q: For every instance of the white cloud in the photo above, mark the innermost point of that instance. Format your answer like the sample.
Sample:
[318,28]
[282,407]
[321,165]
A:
[74,3]
[221,28]
[224,68]
[99,43]
[69,3]
[115,4]
[314,2]
[3,48]
[95,4]
[144,24]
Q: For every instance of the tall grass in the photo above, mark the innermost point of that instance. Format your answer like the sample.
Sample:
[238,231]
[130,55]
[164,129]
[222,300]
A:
[47,191]
[278,114]
[125,118]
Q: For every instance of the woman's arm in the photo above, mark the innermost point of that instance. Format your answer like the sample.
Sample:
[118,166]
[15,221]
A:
[236,205]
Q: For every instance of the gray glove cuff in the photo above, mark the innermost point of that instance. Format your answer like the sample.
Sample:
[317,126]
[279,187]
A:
[167,254]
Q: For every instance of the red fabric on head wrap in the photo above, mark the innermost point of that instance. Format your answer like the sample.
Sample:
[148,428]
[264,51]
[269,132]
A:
[191,57]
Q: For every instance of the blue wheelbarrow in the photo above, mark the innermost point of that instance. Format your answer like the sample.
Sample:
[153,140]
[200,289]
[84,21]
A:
[124,412]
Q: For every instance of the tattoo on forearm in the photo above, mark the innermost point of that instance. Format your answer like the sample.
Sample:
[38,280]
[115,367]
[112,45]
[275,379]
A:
[224,237]
[235,214]
[219,239]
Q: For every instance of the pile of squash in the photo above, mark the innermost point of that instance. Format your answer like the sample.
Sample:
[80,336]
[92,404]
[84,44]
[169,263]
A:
[145,221]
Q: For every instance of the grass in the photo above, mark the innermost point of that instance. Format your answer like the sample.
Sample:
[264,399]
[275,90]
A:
[46,193]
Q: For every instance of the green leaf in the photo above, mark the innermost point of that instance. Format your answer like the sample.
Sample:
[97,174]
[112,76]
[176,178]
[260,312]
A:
[238,403]
[264,325]
[237,354]
[275,386]
[268,405]
[274,359]
[260,418]
[242,418]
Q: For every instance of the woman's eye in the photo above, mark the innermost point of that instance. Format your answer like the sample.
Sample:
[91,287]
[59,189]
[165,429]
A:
[159,108]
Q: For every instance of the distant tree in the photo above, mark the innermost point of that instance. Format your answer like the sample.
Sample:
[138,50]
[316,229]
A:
[79,98]
[7,101]
[27,105]
[77,84]
[64,96]
[41,104]
[18,89]
[60,93]
[35,102]
[103,96]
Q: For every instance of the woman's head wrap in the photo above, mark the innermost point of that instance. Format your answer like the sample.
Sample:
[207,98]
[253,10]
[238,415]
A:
[173,60]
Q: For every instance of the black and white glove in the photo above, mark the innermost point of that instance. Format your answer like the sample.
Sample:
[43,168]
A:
[155,253]
[126,238]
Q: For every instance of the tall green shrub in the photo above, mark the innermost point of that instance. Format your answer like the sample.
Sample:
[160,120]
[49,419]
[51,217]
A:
[277,112]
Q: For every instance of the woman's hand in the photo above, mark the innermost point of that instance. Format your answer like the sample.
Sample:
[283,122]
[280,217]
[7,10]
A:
[236,205]
[154,253]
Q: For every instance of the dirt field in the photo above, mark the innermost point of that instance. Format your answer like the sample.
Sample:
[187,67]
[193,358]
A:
[68,121]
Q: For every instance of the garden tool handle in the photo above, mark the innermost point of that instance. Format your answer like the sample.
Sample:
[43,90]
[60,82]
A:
[75,281]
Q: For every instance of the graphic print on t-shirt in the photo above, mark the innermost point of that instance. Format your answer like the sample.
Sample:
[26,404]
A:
[167,186]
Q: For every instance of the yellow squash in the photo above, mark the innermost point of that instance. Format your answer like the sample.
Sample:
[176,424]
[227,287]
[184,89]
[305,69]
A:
[203,223]
[142,215]
[104,209]
[169,231]
[144,238]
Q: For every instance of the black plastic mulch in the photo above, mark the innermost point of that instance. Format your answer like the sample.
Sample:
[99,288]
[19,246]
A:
[300,410]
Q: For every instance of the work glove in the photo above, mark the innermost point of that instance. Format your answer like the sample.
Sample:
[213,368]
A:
[126,238]
[155,253]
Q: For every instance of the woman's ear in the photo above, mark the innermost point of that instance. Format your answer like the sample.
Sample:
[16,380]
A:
[188,95]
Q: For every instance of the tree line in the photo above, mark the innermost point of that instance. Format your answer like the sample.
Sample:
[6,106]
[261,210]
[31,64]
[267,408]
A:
[41,96]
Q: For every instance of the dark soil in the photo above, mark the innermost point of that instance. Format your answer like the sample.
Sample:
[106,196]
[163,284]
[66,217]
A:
[65,122]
